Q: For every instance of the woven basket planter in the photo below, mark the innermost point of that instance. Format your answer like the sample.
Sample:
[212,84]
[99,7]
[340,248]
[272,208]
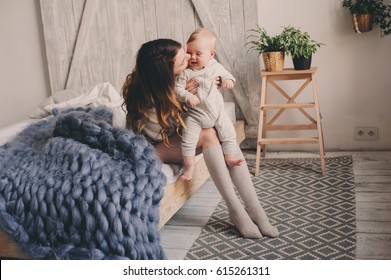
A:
[274,61]
[362,22]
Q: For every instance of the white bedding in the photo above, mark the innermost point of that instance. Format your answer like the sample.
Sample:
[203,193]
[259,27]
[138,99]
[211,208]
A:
[9,132]
[101,95]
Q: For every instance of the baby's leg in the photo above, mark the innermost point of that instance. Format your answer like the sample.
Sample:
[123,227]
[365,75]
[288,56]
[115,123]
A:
[227,135]
[189,162]
[189,143]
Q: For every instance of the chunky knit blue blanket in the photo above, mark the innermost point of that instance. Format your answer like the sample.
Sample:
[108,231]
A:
[74,187]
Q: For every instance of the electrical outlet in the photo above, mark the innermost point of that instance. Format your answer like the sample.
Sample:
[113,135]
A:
[365,133]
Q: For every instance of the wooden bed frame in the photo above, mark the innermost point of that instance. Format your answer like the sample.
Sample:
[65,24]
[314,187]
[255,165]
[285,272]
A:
[175,196]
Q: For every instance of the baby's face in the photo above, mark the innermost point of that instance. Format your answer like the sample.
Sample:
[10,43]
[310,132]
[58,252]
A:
[200,53]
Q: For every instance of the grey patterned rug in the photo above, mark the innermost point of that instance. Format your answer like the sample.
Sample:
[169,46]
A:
[314,214]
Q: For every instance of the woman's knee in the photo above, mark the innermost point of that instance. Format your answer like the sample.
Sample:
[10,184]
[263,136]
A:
[209,137]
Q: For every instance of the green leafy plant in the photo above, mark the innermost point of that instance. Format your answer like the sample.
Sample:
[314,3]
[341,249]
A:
[381,12]
[259,40]
[298,43]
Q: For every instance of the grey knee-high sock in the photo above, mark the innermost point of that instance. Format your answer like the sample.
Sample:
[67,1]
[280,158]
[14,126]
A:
[214,160]
[241,178]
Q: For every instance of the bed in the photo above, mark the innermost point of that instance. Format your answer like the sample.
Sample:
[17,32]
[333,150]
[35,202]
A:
[176,191]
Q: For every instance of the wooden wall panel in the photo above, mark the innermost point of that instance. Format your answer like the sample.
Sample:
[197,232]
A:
[93,41]
[60,31]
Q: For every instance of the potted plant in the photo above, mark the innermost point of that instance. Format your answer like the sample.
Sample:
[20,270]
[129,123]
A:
[300,46]
[366,12]
[272,48]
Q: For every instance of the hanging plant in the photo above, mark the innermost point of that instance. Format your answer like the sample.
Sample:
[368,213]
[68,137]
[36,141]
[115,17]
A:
[368,11]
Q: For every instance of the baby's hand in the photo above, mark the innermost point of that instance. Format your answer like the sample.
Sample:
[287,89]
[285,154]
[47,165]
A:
[228,84]
[192,100]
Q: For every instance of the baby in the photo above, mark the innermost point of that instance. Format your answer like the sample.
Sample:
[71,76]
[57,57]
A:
[206,108]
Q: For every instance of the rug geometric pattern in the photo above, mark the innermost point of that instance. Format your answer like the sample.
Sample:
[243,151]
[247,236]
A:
[315,214]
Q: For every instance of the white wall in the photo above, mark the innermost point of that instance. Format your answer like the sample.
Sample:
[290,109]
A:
[354,71]
[24,81]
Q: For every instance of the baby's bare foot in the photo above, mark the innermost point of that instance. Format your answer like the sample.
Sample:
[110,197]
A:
[188,174]
[232,160]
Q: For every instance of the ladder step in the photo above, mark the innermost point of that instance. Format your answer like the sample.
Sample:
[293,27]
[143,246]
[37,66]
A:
[263,141]
[289,105]
[291,127]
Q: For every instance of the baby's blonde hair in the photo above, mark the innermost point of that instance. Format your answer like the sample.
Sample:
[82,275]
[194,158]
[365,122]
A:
[205,33]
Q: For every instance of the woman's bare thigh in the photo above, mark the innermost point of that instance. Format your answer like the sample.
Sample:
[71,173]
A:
[173,154]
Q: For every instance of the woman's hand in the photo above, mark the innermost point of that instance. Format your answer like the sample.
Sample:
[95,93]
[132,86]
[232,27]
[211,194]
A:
[218,81]
[192,86]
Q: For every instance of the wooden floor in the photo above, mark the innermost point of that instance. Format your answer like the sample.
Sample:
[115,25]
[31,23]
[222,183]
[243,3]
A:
[372,174]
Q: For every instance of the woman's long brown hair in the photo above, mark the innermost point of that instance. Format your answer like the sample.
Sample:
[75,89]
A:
[152,84]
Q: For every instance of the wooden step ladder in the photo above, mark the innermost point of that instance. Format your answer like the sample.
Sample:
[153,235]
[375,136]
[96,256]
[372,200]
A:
[270,125]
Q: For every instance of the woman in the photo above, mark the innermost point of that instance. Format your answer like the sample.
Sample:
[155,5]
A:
[154,111]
